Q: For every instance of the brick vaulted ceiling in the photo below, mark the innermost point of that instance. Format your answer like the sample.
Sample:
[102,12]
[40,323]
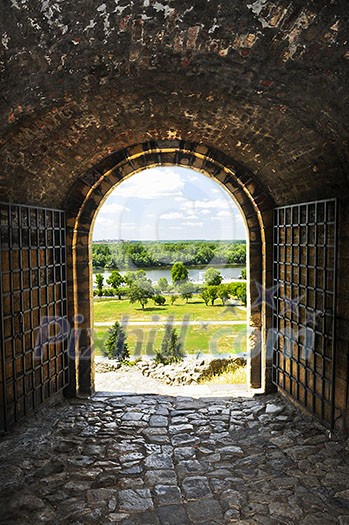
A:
[266,82]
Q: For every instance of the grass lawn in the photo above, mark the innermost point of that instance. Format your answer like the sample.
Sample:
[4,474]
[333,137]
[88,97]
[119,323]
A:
[215,340]
[111,309]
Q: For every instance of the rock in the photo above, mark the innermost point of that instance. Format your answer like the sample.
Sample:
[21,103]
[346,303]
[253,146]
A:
[102,495]
[230,499]
[177,429]
[132,416]
[230,451]
[158,421]
[184,439]
[205,511]
[10,477]
[28,502]
[138,500]
[274,410]
[167,494]
[173,515]
[285,510]
[160,477]
[181,453]
[343,495]
[159,461]
[196,488]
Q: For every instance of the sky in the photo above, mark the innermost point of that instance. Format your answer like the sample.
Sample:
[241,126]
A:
[169,203]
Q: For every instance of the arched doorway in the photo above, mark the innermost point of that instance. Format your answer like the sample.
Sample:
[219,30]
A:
[93,188]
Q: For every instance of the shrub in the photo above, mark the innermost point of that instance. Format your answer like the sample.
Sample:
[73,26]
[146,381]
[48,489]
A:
[159,299]
[115,346]
[171,347]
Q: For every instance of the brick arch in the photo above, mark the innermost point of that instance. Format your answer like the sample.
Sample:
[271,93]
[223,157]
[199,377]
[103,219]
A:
[88,195]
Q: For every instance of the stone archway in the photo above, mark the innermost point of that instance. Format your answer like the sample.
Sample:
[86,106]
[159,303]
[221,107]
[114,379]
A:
[90,192]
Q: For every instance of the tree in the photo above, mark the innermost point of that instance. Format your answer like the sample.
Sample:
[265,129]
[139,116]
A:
[99,283]
[243,274]
[115,279]
[186,290]
[179,273]
[115,346]
[173,299]
[223,293]
[163,284]
[210,294]
[213,277]
[141,290]
[206,296]
[130,277]
[171,347]
[159,300]
[238,290]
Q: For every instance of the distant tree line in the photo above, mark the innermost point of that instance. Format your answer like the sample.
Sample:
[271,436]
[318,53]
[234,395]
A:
[139,289]
[153,254]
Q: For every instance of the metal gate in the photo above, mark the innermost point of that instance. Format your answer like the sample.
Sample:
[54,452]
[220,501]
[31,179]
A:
[304,304]
[33,305]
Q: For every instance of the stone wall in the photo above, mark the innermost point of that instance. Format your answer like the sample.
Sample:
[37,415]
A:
[189,371]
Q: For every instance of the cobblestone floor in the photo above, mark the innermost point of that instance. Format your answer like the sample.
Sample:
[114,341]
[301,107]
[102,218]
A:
[173,461]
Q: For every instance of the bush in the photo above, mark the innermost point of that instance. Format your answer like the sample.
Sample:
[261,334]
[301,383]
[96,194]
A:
[115,346]
[160,300]
[171,347]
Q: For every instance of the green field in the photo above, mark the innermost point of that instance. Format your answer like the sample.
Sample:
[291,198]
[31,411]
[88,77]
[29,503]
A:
[111,309]
[197,339]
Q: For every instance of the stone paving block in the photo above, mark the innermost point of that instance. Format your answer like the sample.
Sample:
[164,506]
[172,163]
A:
[196,487]
[158,421]
[205,511]
[137,500]
[173,515]
[181,440]
[190,467]
[182,453]
[158,461]
[167,494]
[122,475]
[160,477]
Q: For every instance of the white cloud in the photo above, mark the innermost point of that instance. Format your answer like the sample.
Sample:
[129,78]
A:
[168,203]
[171,216]
[128,226]
[113,207]
[224,213]
[151,184]
[190,223]
[216,203]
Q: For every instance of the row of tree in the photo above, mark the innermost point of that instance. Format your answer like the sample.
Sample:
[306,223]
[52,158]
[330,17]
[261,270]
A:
[138,288]
[152,254]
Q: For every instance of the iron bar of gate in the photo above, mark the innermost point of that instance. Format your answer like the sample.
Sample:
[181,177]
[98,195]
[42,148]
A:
[3,422]
[35,277]
[290,373]
[335,274]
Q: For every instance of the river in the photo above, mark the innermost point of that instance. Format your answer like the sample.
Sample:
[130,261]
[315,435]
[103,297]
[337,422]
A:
[196,275]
